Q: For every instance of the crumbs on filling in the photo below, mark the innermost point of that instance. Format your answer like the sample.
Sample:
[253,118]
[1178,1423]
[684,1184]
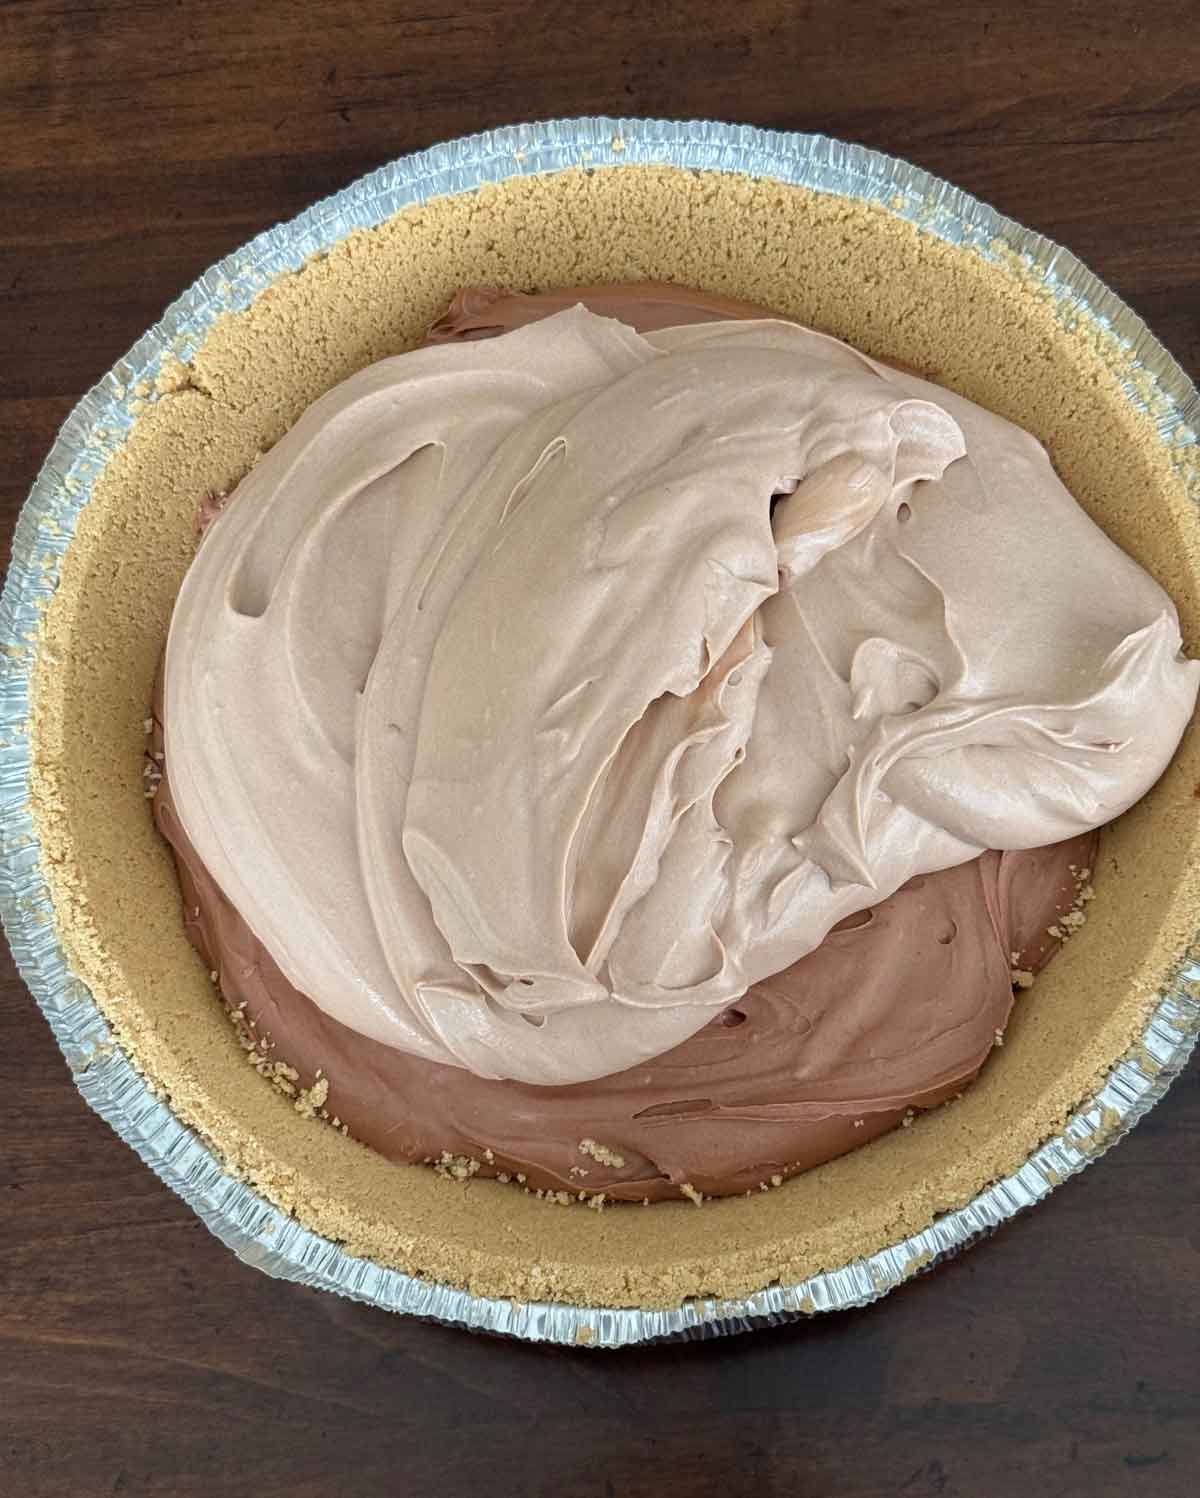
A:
[1067,925]
[601,1153]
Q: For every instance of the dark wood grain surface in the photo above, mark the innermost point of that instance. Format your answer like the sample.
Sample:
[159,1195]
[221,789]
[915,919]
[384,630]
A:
[139,142]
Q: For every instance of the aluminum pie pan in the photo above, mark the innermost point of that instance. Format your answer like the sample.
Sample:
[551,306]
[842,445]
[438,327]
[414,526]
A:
[258,1232]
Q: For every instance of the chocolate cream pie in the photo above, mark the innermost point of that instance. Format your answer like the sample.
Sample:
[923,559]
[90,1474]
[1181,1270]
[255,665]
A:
[633,746]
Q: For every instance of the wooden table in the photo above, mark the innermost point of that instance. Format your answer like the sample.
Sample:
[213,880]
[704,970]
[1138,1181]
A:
[138,143]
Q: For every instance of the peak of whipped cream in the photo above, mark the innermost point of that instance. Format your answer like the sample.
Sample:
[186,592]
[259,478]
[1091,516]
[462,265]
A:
[540,694]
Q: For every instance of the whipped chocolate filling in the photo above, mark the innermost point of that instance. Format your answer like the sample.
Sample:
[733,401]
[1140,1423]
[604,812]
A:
[896,1009]
[540,695]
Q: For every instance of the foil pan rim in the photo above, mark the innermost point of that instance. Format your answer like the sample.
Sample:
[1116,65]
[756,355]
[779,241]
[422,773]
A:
[258,1232]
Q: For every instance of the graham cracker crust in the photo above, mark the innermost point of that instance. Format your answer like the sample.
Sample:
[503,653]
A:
[986,329]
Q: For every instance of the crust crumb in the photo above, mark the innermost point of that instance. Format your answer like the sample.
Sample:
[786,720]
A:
[558,1198]
[601,1153]
[456,1167]
[311,1099]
